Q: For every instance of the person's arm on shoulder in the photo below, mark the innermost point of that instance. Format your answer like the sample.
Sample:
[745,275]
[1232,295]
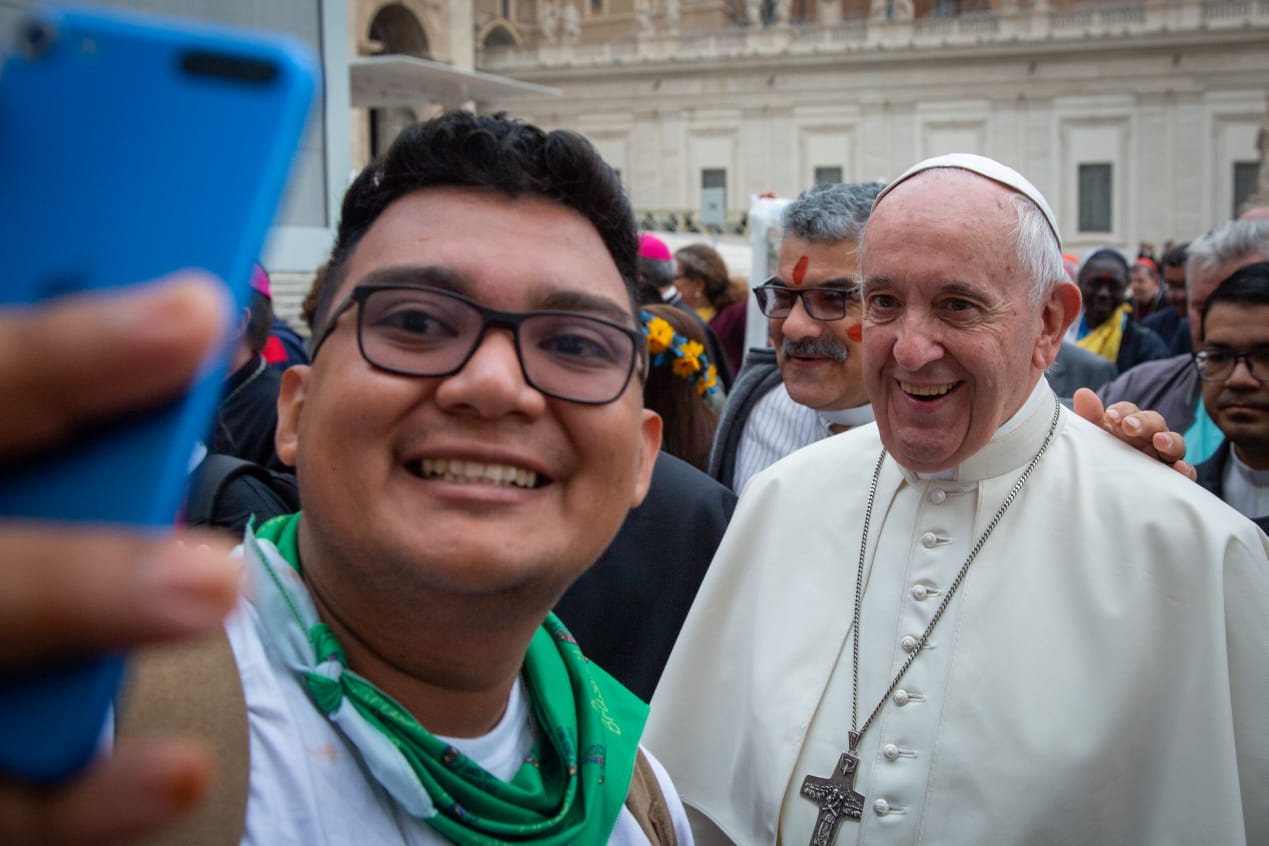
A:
[83,592]
[1144,430]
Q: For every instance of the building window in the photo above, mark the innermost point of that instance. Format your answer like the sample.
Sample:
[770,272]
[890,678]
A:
[1095,197]
[1246,179]
[597,7]
[506,9]
[713,195]
[715,177]
[828,176]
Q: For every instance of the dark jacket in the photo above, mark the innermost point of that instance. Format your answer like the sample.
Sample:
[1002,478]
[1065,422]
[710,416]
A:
[1166,323]
[757,377]
[1211,475]
[247,416]
[1138,345]
[626,611]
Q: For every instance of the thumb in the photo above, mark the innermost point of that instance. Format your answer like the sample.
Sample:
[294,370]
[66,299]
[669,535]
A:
[1089,406]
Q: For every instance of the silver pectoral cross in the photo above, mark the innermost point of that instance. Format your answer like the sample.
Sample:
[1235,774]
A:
[836,797]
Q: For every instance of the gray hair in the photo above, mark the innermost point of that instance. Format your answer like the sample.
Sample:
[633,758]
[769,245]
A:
[831,213]
[1229,241]
[1038,253]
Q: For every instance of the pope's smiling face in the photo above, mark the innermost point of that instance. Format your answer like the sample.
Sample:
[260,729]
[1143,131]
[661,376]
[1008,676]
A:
[952,346]
[473,483]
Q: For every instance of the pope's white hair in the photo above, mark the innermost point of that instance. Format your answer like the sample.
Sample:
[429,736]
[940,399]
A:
[1038,253]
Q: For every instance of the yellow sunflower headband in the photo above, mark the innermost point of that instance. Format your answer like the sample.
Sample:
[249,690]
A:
[687,358]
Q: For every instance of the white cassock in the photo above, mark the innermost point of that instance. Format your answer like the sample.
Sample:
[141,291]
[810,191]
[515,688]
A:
[1100,677]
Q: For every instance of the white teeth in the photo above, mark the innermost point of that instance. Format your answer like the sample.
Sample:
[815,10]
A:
[475,472]
[926,390]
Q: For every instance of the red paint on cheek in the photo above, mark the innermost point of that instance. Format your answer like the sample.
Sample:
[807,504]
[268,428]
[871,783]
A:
[799,270]
[855,332]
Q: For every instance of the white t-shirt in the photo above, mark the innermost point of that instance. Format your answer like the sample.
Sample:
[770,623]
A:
[309,785]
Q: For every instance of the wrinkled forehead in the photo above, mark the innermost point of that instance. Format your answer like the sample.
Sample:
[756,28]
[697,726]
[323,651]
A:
[943,199]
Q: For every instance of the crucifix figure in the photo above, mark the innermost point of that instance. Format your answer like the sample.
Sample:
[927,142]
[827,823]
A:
[836,797]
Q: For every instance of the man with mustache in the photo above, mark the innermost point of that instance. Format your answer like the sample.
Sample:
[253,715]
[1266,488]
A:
[1233,365]
[809,385]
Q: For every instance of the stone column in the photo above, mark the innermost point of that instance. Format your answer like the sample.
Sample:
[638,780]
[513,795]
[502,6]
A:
[1261,197]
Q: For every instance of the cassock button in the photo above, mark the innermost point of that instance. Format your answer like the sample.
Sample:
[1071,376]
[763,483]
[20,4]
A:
[901,697]
[890,751]
[938,496]
[908,643]
[881,807]
[929,539]
[920,592]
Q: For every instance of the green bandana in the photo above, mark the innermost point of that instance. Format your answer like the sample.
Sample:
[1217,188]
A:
[570,789]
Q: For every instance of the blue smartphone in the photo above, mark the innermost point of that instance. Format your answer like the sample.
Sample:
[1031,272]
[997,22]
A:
[130,147]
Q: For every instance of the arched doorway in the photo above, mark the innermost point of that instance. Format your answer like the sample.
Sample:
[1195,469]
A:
[499,36]
[395,30]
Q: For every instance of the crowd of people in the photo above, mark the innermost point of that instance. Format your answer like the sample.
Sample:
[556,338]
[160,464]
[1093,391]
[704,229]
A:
[898,577]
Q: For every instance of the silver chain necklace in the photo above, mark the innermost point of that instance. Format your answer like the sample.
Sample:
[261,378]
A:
[836,795]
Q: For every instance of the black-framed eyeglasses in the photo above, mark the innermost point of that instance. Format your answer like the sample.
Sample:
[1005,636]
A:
[776,300]
[1219,365]
[419,331]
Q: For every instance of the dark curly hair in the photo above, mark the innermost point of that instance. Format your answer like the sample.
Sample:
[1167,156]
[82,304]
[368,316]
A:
[492,152]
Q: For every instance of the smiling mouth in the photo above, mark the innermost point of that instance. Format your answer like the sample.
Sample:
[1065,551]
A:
[475,473]
[926,393]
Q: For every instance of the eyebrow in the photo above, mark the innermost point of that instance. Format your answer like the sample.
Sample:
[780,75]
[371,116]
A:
[419,276]
[436,276]
[838,283]
[582,301]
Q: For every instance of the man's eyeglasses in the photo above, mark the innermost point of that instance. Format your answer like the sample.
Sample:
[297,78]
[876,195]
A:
[777,301]
[416,331]
[1219,365]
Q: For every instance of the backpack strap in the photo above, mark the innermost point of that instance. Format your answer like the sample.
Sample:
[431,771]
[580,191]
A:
[647,804]
[193,687]
[209,479]
[226,491]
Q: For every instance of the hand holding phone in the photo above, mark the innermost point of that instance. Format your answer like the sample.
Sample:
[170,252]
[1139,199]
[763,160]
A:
[137,589]
[130,148]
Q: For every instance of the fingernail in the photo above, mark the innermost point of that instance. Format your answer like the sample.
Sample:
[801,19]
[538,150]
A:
[1132,425]
[148,308]
[1113,415]
[197,586]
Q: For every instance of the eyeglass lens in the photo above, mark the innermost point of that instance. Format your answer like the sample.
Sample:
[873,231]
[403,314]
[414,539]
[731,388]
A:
[1218,365]
[821,303]
[421,332]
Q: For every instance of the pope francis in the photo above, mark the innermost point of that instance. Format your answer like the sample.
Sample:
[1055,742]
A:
[980,621]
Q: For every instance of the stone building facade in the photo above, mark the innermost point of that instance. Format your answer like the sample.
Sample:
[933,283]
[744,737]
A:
[1139,119]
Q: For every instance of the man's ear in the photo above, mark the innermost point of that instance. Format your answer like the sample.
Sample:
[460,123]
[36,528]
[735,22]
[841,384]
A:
[286,440]
[649,446]
[1058,311]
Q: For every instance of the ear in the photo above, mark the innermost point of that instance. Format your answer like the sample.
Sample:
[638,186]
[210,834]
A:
[286,440]
[649,446]
[1060,308]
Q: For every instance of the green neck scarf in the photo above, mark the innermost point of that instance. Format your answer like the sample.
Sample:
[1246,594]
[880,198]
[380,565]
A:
[570,789]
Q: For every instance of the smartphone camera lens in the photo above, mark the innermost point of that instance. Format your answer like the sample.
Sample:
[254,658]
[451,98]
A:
[38,38]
